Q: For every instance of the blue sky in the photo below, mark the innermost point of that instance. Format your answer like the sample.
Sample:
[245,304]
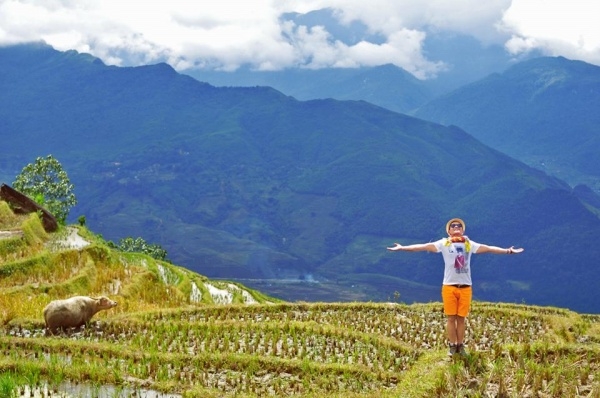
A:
[228,34]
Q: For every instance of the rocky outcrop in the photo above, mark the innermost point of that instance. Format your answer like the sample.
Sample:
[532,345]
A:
[22,204]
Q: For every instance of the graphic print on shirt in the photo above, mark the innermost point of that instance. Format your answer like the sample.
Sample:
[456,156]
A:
[460,264]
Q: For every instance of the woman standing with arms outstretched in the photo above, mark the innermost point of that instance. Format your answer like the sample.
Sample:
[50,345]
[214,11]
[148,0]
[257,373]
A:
[457,291]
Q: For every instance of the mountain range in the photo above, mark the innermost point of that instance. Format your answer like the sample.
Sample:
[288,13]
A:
[542,111]
[387,85]
[249,183]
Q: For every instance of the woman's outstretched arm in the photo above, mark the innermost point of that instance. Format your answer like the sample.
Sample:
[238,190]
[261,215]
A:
[499,250]
[418,247]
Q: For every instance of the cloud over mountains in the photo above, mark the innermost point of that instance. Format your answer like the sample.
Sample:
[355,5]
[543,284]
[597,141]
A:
[264,35]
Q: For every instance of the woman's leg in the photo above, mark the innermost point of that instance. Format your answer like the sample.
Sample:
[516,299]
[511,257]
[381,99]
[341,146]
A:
[452,330]
[460,329]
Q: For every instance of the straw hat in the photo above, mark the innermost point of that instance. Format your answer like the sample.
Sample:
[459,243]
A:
[456,220]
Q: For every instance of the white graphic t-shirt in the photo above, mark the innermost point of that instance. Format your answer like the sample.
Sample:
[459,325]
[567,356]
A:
[457,260]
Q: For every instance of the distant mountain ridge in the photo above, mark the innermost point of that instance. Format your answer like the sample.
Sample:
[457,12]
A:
[388,86]
[251,183]
[542,111]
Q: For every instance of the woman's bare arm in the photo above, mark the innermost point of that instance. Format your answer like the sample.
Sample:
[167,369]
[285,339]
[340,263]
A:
[418,247]
[498,250]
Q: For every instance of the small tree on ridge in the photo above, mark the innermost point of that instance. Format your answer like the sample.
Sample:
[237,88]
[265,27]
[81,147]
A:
[47,183]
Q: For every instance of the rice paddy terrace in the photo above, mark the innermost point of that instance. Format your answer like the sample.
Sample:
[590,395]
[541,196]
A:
[175,333]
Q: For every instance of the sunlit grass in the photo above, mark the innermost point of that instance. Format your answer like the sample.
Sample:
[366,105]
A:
[312,349]
[168,334]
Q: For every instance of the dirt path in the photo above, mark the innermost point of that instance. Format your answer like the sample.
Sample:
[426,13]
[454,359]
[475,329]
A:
[10,234]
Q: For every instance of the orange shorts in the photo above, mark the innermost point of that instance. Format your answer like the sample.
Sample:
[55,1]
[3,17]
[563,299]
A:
[457,301]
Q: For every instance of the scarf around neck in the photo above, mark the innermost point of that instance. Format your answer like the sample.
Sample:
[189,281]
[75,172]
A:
[459,239]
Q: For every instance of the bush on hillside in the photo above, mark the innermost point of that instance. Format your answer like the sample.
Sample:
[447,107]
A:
[139,245]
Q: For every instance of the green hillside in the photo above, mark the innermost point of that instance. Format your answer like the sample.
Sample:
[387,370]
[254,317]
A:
[542,112]
[167,337]
[248,183]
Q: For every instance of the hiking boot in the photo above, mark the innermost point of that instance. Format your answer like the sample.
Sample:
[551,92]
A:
[460,349]
[452,349]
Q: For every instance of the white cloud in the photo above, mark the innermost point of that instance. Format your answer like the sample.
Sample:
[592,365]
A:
[228,33]
[474,17]
[315,48]
[567,28]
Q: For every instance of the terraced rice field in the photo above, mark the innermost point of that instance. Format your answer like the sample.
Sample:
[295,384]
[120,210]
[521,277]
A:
[311,350]
[175,333]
